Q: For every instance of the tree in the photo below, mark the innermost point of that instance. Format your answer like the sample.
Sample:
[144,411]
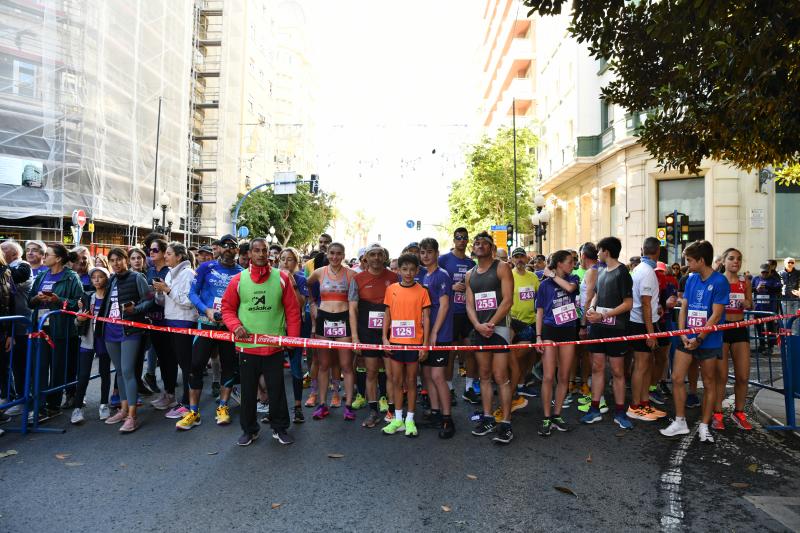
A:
[298,218]
[720,79]
[485,196]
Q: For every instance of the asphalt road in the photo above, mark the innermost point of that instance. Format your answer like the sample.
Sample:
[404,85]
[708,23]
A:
[93,479]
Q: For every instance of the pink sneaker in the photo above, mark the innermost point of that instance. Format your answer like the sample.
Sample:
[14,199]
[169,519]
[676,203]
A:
[336,400]
[321,412]
[167,401]
[177,412]
[118,417]
[349,414]
[129,426]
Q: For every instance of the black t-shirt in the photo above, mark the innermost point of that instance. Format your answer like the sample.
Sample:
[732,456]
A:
[613,286]
[682,283]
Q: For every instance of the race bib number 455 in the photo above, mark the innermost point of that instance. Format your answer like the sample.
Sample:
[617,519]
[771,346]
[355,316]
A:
[334,328]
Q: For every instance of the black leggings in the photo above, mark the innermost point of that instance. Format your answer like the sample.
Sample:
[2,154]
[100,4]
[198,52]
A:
[201,353]
[182,352]
[14,359]
[85,371]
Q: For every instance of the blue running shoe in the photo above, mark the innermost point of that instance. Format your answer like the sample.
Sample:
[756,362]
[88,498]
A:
[476,386]
[692,401]
[623,421]
[592,415]
[528,390]
[115,401]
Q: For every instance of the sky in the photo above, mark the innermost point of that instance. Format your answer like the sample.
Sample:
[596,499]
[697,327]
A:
[395,81]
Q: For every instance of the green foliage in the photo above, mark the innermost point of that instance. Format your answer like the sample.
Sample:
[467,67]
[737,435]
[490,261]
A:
[722,77]
[485,196]
[298,218]
[788,175]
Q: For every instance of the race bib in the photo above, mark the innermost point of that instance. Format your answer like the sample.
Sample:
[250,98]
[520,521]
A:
[526,293]
[113,311]
[696,319]
[565,313]
[375,320]
[736,300]
[218,303]
[609,320]
[486,301]
[334,328]
[459,298]
[764,298]
[404,329]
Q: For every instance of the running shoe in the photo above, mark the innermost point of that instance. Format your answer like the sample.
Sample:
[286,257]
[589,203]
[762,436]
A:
[486,425]
[537,371]
[568,399]
[592,415]
[470,396]
[118,417]
[312,399]
[299,417]
[130,425]
[215,388]
[603,407]
[189,420]
[528,391]
[692,401]
[115,400]
[462,372]
[559,423]
[372,420]
[498,415]
[447,430]
[103,412]
[393,427]
[519,403]
[705,435]
[69,402]
[740,419]
[658,413]
[388,417]
[349,414]
[546,427]
[223,416]
[139,401]
[623,421]
[151,383]
[246,439]
[306,380]
[504,434]
[15,410]
[235,397]
[336,400]
[360,402]
[164,402]
[664,388]
[411,429]
[178,411]
[657,397]
[321,412]
[383,404]
[77,416]
[585,399]
[476,385]
[677,427]
[585,390]
[717,423]
[641,414]
[262,407]
[282,436]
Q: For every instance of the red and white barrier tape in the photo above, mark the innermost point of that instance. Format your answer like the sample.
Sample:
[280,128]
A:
[295,342]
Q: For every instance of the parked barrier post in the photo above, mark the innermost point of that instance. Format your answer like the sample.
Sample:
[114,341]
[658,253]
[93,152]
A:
[37,389]
[23,396]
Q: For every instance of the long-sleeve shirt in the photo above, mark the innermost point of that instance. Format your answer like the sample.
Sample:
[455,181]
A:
[209,285]
[230,306]
[790,282]
[766,292]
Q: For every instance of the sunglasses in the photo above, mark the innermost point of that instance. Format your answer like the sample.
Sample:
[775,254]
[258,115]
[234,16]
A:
[155,250]
[227,245]
[790,263]
[461,238]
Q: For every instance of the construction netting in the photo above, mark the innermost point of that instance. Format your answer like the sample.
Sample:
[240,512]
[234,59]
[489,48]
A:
[80,84]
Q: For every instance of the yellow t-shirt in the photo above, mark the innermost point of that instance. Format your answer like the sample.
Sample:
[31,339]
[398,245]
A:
[524,306]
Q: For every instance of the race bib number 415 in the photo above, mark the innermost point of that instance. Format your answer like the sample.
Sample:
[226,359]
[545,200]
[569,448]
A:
[696,319]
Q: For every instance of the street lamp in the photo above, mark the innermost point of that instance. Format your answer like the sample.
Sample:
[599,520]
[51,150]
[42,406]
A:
[540,220]
[160,214]
[271,236]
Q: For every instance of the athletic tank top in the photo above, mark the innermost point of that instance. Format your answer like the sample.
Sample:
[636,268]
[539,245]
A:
[584,288]
[488,293]
[736,302]
[333,289]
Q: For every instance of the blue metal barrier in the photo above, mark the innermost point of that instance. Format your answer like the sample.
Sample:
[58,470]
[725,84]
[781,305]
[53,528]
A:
[790,359]
[22,390]
[759,338]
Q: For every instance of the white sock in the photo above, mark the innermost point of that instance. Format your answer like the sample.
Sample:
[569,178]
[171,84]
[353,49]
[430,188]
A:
[450,385]
[398,414]
[703,426]
[410,416]
[680,419]
[468,383]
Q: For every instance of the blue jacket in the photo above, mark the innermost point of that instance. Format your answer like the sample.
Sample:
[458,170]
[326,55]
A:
[209,284]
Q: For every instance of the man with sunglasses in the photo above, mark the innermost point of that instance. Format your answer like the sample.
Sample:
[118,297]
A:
[457,264]
[790,281]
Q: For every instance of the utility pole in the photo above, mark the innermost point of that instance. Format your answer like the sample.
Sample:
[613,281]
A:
[158,135]
[514,135]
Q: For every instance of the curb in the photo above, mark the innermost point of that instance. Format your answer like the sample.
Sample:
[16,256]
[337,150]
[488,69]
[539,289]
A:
[765,419]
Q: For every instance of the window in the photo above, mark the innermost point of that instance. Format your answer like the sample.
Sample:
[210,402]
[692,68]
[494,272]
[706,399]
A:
[612,210]
[17,77]
[606,115]
[787,205]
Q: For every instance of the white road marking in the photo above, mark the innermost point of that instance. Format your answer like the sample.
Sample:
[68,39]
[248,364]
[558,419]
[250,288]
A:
[779,508]
[672,518]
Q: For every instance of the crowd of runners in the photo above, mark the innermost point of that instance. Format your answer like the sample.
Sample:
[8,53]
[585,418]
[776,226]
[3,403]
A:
[475,298]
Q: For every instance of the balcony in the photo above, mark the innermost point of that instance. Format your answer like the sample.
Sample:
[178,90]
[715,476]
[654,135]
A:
[204,162]
[211,8]
[205,131]
[208,98]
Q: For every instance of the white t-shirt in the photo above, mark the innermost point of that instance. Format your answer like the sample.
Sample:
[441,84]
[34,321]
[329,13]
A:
[645,283]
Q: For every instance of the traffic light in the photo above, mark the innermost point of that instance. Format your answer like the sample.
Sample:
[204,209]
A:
[419,225]
[684,228]
[314,183]
[510,235]
[671,226]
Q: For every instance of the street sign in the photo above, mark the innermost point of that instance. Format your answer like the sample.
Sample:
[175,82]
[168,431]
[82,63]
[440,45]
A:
[91,227]
[244,231]
[500,236]
[285,183]
[661,235]
[410,224]
[79,217]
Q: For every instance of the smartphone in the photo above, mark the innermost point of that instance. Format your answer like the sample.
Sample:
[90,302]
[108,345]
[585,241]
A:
[158,280]
[126,304]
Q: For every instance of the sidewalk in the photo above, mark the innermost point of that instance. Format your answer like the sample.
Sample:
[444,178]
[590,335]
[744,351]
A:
[770,408]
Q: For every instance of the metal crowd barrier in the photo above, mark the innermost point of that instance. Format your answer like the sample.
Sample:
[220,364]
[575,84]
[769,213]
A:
[790,359]
[21,391]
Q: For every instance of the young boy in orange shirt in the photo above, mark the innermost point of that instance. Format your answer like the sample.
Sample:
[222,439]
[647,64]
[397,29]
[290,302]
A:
[406,321]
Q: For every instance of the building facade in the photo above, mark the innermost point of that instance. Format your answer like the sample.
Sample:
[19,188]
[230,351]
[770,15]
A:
[598,180]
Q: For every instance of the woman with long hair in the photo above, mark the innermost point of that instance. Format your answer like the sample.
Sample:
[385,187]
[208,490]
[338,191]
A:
[289,261]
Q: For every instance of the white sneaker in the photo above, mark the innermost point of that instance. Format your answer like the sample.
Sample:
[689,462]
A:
[262,408]
[704,434]
[236,397]
[77,416]
[104,411]
[14,410]
[677,427]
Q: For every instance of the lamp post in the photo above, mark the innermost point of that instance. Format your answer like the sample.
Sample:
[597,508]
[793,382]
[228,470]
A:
[540,220]
[160,214]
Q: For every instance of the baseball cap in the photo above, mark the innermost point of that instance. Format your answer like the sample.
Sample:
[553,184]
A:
[205,248]
[228,237]
[413,244]
[661,266]
[765,267]
[519,251]
[362,252]
[99,269]
[375,246]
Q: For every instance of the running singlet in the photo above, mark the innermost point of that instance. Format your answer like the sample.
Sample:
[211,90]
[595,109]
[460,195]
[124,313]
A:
[488,294]
[701,296]
[525,287]
[736,301]
[334,289]
[457,268]
[558,306]
[405,307]
[438,284]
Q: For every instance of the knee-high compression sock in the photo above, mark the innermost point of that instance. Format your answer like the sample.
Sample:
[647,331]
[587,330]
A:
[297,388]
[361,381]
[382,383]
